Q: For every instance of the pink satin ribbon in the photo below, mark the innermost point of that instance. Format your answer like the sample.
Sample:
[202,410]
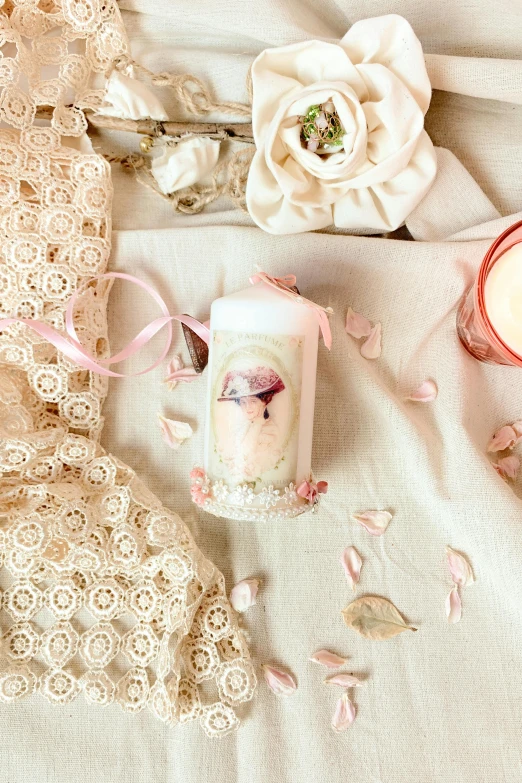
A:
[284,284]
[73,349]
[309,490]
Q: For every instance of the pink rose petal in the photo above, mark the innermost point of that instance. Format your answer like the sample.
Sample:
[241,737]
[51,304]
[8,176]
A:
[281,683]
[517,426]
[178,373]
[460,569]
[344,714]
[328,659]
[243,595]
[375,522]
[504,438]
[344,681]
[357,325]
[174,432]
[371,349]
[508,467]
[427,392]
[453,606]
[351,562]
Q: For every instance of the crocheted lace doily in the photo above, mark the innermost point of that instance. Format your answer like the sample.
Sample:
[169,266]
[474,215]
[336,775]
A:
[104,592]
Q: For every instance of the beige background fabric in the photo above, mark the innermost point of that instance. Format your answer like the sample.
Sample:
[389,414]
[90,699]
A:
[440,706]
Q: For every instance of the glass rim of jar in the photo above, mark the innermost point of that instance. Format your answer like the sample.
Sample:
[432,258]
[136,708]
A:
[489,260]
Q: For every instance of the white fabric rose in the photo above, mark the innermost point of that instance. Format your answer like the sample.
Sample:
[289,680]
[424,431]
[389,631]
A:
[185,163]
[130,99]
[376,80]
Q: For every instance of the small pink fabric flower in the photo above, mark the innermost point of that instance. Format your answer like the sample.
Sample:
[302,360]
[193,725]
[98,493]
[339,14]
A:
[309,490]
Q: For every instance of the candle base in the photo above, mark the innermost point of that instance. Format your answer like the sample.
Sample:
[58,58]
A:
[243,503]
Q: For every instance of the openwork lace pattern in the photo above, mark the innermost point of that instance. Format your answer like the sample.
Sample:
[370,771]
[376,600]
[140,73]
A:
[104,592]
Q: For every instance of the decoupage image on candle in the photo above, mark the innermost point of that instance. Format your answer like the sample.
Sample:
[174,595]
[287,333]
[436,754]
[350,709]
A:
[255,407]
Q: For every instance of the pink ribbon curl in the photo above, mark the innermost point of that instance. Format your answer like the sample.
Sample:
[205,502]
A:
[71,347]
[310,491]
[284,284]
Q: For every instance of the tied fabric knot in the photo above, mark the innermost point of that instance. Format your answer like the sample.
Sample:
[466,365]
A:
[310,491]
[284,284]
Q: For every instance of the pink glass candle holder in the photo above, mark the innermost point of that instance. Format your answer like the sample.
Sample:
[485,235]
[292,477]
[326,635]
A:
[475,329]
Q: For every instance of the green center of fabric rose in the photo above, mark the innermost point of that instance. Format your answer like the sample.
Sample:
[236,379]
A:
[321,128]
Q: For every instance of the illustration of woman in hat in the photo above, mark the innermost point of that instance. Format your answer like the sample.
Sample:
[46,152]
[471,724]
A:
[253,445]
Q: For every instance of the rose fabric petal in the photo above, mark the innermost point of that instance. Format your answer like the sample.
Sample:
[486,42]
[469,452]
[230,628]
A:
[185,163]
[243,595]
[453,606]
[426,392]
[281,683]
[504,438]
[351,562]
[328,659]
[371,349]
[130,99]
[460,569]
[375,522]
[357,325]
[508,467]
[344,681]
[174,432]
[178,373]
[344,714]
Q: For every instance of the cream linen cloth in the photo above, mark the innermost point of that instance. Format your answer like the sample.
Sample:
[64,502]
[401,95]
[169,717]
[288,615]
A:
[440,706]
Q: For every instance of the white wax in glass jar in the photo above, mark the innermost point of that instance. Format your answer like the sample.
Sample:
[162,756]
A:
[503,297]
[261,389]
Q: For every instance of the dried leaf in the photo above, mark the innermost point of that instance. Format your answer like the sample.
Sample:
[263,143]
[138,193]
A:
[243,595]
[508,467]
[344,681]
[328,659]
[504,438]
[374,618]
[178,373]
[427,392]
[344,714]
[453,606]
[174,432]
[351,562]
[375,522]
[460,568]
[281,683]
[357,325]
[371,349]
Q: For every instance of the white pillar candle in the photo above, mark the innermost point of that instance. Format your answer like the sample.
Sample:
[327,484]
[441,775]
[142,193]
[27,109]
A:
[503,297]
[260,405]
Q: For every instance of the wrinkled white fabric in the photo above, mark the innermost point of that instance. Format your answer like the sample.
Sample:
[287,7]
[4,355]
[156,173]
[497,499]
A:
[185,163]
[377,81]
[130,99]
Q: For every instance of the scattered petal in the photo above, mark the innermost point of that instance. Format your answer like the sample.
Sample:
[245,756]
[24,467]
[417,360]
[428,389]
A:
[357,325]
[131,99]
[375,522]
[453,606]
[504,438]
[344,714]
[178,373]
[374,618]
[517,426]
[371,349]
[344,681]
[508,467]
[328,659]
[460,569]
[243,595]
[427,392]
[279,682]
[351,562]
[174,432]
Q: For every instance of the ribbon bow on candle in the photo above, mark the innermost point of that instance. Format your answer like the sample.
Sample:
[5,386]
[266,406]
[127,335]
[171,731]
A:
[309,490]
[284,284]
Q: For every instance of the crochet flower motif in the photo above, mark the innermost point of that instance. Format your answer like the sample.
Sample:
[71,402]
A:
[339,131]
